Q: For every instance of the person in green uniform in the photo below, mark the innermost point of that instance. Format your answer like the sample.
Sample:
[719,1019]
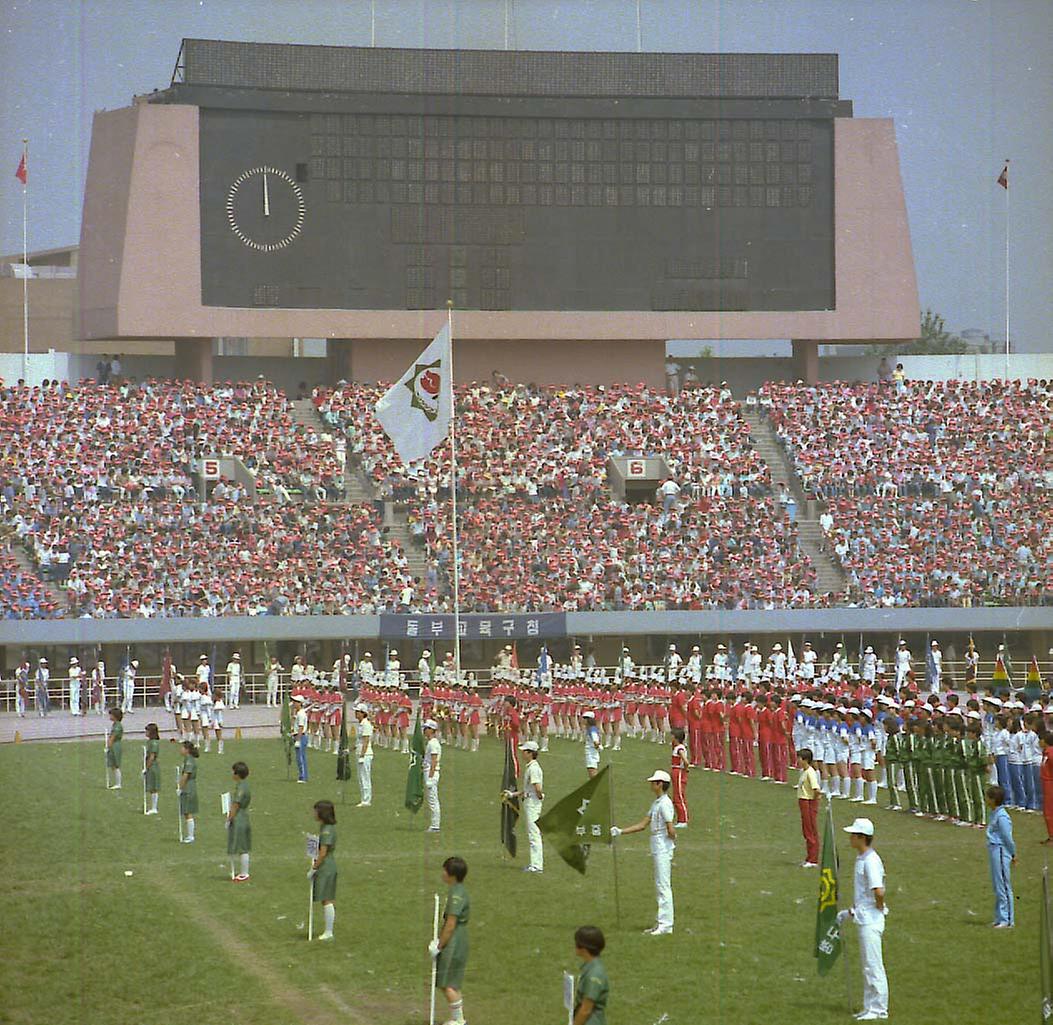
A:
[151,768]
[188,788]
[593,986]
[113,746]
[239,829]
[977,765]
[451,948]
[956,769]
[894,752]
[323,869]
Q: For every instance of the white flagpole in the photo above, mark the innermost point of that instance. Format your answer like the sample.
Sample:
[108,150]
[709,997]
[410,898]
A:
[453,506]
[372,22]
[25,261]
[1007,270]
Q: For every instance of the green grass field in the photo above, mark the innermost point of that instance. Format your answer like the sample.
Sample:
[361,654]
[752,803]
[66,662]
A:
[177,941]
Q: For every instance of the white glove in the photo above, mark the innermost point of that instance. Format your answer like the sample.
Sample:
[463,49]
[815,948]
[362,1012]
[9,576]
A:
[842,915]
[433,948]
[361,761]
[884,910]
[615,831]
[311,873]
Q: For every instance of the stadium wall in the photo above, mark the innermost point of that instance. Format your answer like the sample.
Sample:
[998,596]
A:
[579,624]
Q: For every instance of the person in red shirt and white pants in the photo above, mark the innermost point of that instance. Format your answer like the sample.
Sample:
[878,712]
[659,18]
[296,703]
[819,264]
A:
[678,771]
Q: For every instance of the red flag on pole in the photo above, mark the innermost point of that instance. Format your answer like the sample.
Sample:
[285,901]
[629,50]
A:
[22,174]
[1003,178]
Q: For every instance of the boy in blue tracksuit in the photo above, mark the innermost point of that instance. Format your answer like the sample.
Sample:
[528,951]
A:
[1001,852]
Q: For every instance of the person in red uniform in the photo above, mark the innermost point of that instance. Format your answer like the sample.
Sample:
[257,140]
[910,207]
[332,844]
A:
[678,771]
[512,722]
[678,708]
[1045,776]
[763,713]
[736,725]
[694,725]
[749,738]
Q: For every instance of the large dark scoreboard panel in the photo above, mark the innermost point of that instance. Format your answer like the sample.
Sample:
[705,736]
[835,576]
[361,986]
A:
[403,211]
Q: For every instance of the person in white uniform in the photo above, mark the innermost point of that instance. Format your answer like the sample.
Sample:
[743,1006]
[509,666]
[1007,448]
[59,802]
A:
[432,759]
[593,743]
[274,679]
[903,663]
[533,793]
[234,681]
[364,731]
[868,911]
[424,668]
[74,673]
[128,686]
[661,824]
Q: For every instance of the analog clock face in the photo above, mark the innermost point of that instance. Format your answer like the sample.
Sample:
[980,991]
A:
[265,208]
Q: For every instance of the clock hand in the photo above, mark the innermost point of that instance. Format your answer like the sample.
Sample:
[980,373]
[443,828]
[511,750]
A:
[266,197]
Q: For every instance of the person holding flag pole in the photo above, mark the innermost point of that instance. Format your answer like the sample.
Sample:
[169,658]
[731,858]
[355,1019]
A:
[364,738]
[449,950]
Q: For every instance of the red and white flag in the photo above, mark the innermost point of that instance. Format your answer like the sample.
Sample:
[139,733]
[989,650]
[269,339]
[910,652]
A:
[1003,178]
[22,174]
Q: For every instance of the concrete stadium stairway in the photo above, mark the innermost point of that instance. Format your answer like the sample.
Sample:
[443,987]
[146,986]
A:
[829,573]
[358,490]
[27,566]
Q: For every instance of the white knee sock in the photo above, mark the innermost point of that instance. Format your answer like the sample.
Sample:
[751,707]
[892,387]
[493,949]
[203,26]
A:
[153,802]
[221,747]
[846,786]
[872,788]
[244,864]
[233,871]
[190,829]
[330,916]
[116,777]
[457,1010]
[857,787]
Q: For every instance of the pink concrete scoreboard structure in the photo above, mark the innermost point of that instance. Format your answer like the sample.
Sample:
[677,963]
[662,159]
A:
[578,209]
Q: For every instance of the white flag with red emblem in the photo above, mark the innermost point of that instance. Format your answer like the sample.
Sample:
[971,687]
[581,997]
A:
[417,409]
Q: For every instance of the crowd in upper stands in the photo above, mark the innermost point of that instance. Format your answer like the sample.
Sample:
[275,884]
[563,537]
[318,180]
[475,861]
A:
[930,494]
[939,492]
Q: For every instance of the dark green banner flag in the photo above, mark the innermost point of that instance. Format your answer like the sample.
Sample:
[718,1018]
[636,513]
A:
[581,819]
[286,726]
[343,754]
[509,805]
[827,931]
[415,776]
[1045,954]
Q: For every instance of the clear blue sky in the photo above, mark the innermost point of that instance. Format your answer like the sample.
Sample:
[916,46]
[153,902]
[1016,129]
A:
[968,83]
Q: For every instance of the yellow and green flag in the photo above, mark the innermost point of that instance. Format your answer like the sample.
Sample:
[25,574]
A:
[581,819]
[827,930]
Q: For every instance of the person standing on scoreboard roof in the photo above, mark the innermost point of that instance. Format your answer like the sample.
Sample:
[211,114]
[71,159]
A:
[592,989]
[451,948]
[868,911]
[322,872]
[43,675]
[188,787]
[239,828]
[113,746]
[432,760]
[152,769]
[593,742]
[660,823]
[678,773]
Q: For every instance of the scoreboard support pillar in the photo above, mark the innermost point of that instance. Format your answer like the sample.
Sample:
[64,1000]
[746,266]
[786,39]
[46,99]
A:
[806,360]
[193,359]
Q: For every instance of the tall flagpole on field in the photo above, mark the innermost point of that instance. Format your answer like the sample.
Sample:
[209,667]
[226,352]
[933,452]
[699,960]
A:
[453,507]
[1006,173]
[25,258]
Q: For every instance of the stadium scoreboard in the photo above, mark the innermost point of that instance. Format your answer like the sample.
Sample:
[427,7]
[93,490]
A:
[360,178]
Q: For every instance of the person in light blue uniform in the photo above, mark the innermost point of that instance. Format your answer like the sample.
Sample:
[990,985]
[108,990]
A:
[1001,852]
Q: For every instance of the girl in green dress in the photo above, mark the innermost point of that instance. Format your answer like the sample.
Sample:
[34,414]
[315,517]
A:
[188,788]
[113,746]
[593,987]
[151,768]
[323,868]
[451,948]
[239,829]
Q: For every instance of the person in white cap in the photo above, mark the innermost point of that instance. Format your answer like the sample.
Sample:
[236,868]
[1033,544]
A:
[393,671]
[903,664]
[432,760]
[366,670]
[301,738]
[720,663]
[234,681]
[868,666]
[593,742]
[98,687]
[128,686]
[364,733]
[424,668]
[808,660]
[43,675]
[274,679]
[532,793]
[74,674]
[935,667]
[868,911]
[777,660]
[661,824]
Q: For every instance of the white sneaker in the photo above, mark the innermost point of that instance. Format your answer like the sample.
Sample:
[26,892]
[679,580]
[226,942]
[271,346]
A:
[659,930]
[680,825]
[187,839]
[363,804]
[325,936]
[871,1016]
[809,864]
[870,802]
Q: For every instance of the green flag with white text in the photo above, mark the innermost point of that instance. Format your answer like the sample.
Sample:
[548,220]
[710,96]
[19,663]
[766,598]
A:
[581,819]
[415,776]
[827,931]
